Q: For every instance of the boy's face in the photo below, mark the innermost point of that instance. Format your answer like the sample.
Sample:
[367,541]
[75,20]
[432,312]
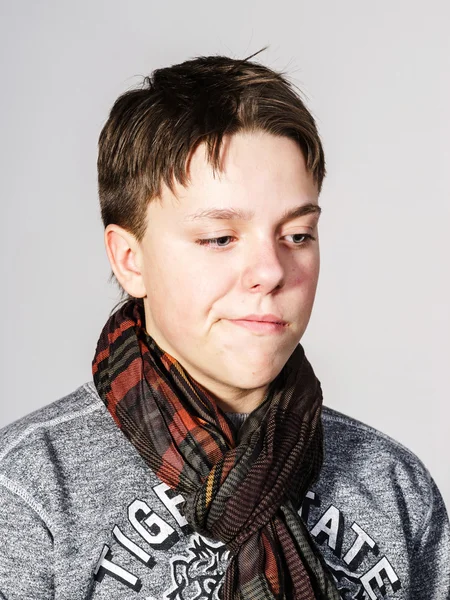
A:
[258,266]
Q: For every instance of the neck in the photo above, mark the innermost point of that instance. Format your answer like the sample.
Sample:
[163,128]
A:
[243,403]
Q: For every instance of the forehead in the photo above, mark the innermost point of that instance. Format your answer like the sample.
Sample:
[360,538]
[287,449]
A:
[252,158]
[259,172]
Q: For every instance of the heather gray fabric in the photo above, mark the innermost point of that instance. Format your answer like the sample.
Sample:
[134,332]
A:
[237,418]
[83,517]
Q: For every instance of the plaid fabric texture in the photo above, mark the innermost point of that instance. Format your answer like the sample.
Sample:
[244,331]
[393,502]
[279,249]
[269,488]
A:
[243,488]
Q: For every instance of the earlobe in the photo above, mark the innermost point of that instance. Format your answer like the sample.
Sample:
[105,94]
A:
[123,253]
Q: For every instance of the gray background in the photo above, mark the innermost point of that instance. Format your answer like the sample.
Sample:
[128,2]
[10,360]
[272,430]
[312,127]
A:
[376,77]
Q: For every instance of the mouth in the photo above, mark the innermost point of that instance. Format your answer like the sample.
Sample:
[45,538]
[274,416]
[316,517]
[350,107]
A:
[268,318]
[264,327]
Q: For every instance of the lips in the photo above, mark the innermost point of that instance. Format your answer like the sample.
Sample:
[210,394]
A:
[268,318]
[261,327]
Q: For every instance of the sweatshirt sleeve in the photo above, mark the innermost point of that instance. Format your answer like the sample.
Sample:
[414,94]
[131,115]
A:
[430,569]
[25,551]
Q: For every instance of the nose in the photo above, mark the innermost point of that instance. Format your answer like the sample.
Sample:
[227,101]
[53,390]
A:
[264,270]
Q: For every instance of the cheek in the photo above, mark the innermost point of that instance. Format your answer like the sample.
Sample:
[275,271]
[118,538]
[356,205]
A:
[305,274]
[181,290]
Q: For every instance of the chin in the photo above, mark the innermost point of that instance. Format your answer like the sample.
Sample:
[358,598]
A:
[252,380]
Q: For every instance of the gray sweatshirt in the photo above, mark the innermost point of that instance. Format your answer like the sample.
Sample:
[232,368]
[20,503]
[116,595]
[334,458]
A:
[83,517]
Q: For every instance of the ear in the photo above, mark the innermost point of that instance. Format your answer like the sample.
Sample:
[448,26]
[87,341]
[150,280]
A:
[125,256]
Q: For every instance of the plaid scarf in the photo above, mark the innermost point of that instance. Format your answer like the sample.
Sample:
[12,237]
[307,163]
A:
[243,487]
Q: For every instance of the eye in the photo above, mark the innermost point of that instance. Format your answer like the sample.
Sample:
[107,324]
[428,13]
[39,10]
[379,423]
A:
[216,242]
[306,238]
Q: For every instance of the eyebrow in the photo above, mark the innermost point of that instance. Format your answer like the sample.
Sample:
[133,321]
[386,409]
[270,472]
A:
[246,215]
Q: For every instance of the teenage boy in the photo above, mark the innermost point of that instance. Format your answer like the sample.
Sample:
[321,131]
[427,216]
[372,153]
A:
[200,461]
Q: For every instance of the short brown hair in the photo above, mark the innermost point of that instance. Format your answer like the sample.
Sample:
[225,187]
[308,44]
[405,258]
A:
[152,131]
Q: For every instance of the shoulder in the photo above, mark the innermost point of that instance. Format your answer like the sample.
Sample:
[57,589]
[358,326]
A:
[59,414]
[348,438]
[370,469]
[36,450]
